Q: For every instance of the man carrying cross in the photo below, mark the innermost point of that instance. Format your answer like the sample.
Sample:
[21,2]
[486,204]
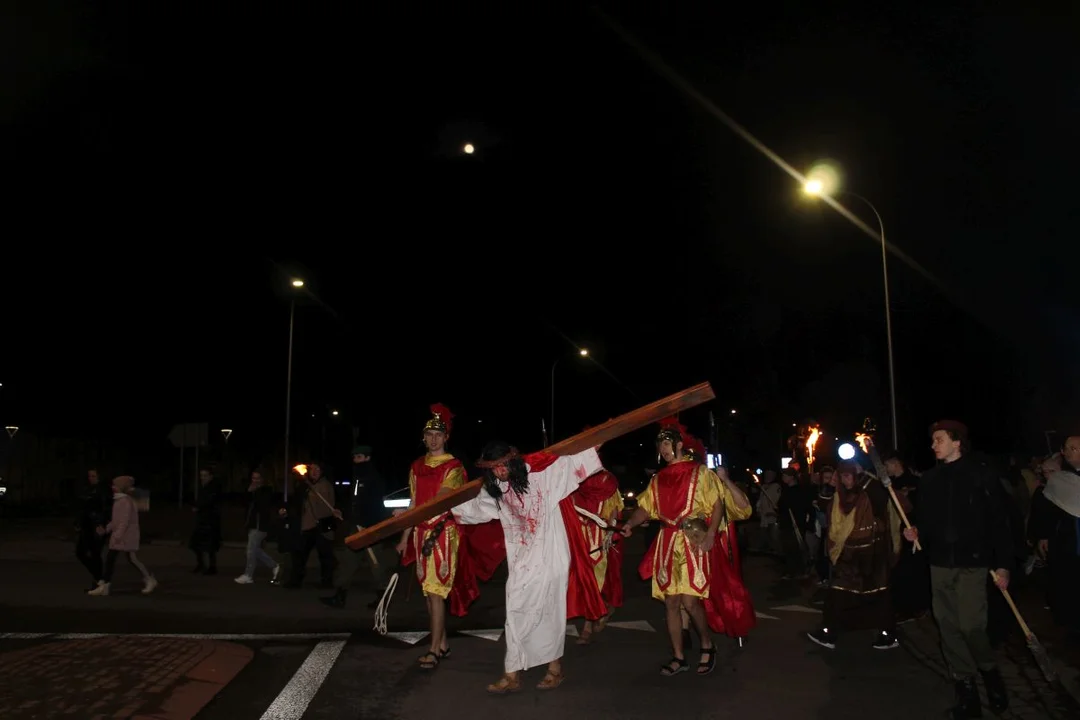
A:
[524,495]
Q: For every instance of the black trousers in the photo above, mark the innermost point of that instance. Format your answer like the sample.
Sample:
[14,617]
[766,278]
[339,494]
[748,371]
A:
[321,544]
[88,550]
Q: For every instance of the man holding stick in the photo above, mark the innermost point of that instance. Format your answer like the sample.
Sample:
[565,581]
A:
[964,530]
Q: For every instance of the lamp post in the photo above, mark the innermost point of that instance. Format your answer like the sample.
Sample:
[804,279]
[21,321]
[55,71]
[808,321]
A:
[818,187]
[581,352]
[288,384]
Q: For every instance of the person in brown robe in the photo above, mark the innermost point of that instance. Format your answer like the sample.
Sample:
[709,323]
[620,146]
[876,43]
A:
[862,545]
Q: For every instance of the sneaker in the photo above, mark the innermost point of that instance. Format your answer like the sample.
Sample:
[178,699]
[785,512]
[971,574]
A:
[151,583]
[822,637]
[886,641]
[244,579]
[100,590]
[274,577]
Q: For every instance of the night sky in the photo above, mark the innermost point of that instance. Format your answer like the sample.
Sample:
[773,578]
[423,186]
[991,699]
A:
[175,168]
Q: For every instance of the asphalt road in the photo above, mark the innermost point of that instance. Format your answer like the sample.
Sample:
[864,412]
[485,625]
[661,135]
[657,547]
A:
[308,661]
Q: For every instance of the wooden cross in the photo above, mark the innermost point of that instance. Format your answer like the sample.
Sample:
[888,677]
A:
[592,437]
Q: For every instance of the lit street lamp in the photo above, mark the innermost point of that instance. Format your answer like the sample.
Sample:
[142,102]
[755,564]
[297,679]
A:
[823,181]
[469,149]
[581,352]
[296,283]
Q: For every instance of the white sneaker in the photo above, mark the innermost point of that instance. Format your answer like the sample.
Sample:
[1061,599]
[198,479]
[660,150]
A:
[244,580]
[273,578]
[101,589]
[151,583]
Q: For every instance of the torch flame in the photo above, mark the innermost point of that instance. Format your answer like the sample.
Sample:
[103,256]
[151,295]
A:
[300,469]
[862,439]
[811,441]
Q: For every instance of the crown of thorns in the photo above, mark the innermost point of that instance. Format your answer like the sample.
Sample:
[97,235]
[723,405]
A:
[485,464]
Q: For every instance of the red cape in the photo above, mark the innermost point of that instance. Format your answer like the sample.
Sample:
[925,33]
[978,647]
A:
[728,607]
[595,490]
[480,550]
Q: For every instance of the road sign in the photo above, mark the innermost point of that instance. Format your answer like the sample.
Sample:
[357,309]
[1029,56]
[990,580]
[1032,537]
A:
[189,435]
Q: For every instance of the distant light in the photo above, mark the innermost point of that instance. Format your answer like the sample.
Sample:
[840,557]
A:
[479,420]
[759,471]
[298,283]
[333,412]
[469,149]
[784,462]
[397,503]
[846,451]
[630,494]
[814,187]
[583,352]
[733,411]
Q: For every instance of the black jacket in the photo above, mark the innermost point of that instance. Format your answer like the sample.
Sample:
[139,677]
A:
[368,488]
[95,507]
[262,510]
[962,518]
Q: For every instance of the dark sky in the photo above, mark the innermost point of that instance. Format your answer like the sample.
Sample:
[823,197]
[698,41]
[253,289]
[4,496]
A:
[174,168]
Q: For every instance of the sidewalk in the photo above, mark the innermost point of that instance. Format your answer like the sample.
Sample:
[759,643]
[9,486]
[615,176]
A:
[142,678]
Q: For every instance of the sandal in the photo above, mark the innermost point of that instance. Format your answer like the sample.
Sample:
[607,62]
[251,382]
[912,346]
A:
[704,668]
[674,666]
[551,681]
[429,661]
[506,684]
[443,654]
[602,622]
[586,636]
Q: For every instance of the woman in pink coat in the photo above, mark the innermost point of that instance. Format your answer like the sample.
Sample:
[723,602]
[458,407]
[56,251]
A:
[123,534]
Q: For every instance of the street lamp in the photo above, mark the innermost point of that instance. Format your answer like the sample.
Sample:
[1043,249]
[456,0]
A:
[582,352]
[296,283]
[469,149]
[823,181]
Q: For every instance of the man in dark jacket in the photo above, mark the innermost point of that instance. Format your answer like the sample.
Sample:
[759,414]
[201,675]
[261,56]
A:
[366,509]
[963,528]
[95,510]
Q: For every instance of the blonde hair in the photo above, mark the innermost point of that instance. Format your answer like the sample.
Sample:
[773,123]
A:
[123,484]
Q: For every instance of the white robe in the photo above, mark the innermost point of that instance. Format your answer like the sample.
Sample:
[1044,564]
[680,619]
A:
[537,556]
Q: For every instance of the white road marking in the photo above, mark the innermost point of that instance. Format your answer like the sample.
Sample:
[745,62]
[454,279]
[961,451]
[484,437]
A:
[644,625]
[408,637]
[294,699]
[797,608]
[764,616]
[493,635]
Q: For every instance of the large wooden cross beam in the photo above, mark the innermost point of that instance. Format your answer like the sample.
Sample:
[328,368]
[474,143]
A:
[592,437]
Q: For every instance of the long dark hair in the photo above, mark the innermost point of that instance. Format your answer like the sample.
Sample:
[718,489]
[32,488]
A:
[519,475]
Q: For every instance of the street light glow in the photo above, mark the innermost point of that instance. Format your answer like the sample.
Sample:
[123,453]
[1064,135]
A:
[469,149]
[298,283]
[846,451]
[583,352]
[823,178]
[333,412]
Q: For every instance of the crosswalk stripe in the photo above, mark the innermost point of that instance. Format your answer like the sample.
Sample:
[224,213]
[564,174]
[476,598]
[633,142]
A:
[294,699]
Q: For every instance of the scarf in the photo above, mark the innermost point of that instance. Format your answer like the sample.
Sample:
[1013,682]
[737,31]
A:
[1063,489]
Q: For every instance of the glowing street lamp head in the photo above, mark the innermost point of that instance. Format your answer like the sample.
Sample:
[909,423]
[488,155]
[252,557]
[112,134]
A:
[298,283]
[846,451]
[583,352]
[822,179]
[469,149]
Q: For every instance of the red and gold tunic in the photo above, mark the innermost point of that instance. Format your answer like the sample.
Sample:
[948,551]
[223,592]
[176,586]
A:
[684,489]
[427,476]
[599,494]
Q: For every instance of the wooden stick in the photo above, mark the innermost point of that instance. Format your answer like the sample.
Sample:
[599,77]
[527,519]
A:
[1019,618]
[612,429]
[903,515]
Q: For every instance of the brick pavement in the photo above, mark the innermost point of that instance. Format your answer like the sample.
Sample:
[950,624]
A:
[1030,694]
[117,677]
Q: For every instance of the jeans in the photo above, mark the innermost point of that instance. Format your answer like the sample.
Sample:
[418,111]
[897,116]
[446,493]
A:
[255,553]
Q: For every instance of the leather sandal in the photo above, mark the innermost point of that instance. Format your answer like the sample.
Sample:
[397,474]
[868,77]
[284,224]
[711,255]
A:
[551,681]
[586,636]
[674,666]
[429,661]
[504,685]
[602,622]
[706,667]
